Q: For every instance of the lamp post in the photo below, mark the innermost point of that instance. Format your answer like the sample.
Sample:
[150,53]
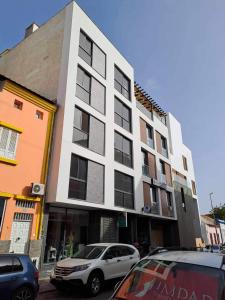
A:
[210,197]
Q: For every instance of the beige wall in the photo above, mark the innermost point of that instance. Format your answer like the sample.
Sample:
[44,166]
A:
[35,62]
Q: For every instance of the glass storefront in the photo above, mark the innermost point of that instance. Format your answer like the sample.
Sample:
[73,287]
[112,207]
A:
[67,232]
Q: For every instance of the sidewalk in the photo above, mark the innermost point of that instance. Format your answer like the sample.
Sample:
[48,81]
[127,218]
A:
[45,286]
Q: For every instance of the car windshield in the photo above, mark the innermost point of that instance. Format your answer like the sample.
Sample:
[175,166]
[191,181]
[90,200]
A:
[89,252]
[165,280]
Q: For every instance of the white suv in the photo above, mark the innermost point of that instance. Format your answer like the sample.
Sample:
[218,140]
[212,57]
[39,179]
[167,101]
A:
[94,264]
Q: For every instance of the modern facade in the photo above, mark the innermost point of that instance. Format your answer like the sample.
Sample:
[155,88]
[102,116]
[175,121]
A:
[26,121]
[112,165]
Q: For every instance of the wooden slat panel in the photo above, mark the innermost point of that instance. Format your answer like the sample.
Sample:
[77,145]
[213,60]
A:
[146,191]
[164,204]
[168,174]
[152,165]
[158,142]
[143,131]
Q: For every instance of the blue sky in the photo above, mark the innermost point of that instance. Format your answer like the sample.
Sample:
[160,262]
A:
[177,49]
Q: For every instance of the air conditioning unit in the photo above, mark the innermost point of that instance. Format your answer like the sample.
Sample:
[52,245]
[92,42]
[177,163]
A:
[146,209]
[38,189]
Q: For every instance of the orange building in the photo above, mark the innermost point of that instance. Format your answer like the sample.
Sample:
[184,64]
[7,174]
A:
[26,121]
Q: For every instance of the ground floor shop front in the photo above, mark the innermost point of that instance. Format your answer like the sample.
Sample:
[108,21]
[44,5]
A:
[70,229]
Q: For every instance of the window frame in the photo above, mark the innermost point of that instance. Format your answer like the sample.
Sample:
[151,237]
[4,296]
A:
[90,91]
[3,151]
[122,117]
[120,84]
[80,130]
[77,179]
[124,155]
[149,128]
[91,56]
[185,164]
[124,192]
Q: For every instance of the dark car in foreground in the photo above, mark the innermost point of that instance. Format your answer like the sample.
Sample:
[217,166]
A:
[174,275]
[18,277]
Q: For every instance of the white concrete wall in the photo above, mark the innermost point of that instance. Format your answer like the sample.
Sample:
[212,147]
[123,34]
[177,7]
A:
[177,149]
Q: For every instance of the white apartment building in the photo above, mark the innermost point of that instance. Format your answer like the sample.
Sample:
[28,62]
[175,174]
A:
[116,155]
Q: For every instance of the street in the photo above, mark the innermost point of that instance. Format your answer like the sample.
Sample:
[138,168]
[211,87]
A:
[78,294]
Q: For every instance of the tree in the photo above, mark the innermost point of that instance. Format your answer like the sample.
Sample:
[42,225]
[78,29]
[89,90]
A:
[219,212]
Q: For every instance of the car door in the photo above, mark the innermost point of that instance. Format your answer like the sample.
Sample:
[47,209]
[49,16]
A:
[125,259]
[10,272]
[110,265]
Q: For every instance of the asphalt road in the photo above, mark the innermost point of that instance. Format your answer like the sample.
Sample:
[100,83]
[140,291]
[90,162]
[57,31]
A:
[78,294]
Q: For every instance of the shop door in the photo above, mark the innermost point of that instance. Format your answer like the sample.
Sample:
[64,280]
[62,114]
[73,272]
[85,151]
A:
[20,232]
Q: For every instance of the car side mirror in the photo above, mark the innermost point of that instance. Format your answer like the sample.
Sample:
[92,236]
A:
[108,256]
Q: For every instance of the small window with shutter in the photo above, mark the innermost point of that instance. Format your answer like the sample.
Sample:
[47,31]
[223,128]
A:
[8,142]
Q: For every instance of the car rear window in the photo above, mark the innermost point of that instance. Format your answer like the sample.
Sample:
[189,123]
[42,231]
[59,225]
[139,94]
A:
[165,280]
[10,265]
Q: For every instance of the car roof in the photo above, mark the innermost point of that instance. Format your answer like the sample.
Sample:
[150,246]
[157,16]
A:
[208,259]
[110,244]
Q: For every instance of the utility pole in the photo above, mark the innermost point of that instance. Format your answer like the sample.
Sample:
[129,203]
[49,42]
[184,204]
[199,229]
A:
[210,197]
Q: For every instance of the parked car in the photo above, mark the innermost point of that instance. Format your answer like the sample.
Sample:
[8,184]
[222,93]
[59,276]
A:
[175,275]
[94,264]
[18,277]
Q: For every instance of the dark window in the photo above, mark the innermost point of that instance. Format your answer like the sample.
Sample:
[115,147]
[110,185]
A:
[80,127]
[150,139]
[123,150]
[2,205]
[162,167]
[183,200]
[85,48]
[185,163]
[145,164]
[125,251]
[124,196]
[169,199]
[17,266]
[113,251]
[164,146]
[6,265]
[92,54]
[78,178]
[154,194]
[90,90]
[18,104]
[193,187]
[83,85]
[121,83]
[39,115]
[122,115]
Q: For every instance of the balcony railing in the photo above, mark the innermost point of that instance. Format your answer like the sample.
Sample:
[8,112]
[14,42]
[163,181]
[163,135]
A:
[164,152]
[145,170]
[162,178]
[155,208]
[150,143]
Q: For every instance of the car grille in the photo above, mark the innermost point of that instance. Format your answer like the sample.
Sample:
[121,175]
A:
[59,271]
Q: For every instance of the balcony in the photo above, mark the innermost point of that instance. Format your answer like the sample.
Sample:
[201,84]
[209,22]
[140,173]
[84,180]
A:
[145,170]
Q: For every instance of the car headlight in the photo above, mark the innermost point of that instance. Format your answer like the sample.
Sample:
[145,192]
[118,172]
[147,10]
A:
[81,268]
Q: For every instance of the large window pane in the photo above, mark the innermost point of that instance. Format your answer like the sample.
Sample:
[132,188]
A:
[81,127]
[78,168]
[77,189]
[122,115]
[97,95]
[99,59]
[124,190]
[121,83]
[123,150]
[83,85]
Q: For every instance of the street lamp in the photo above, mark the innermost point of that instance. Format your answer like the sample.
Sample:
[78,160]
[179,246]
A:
[210,197]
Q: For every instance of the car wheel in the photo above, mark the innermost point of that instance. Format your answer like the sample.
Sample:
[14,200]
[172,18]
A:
[23,293]
[94,283]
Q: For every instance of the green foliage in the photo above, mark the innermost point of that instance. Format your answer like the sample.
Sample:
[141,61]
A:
[219,212]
